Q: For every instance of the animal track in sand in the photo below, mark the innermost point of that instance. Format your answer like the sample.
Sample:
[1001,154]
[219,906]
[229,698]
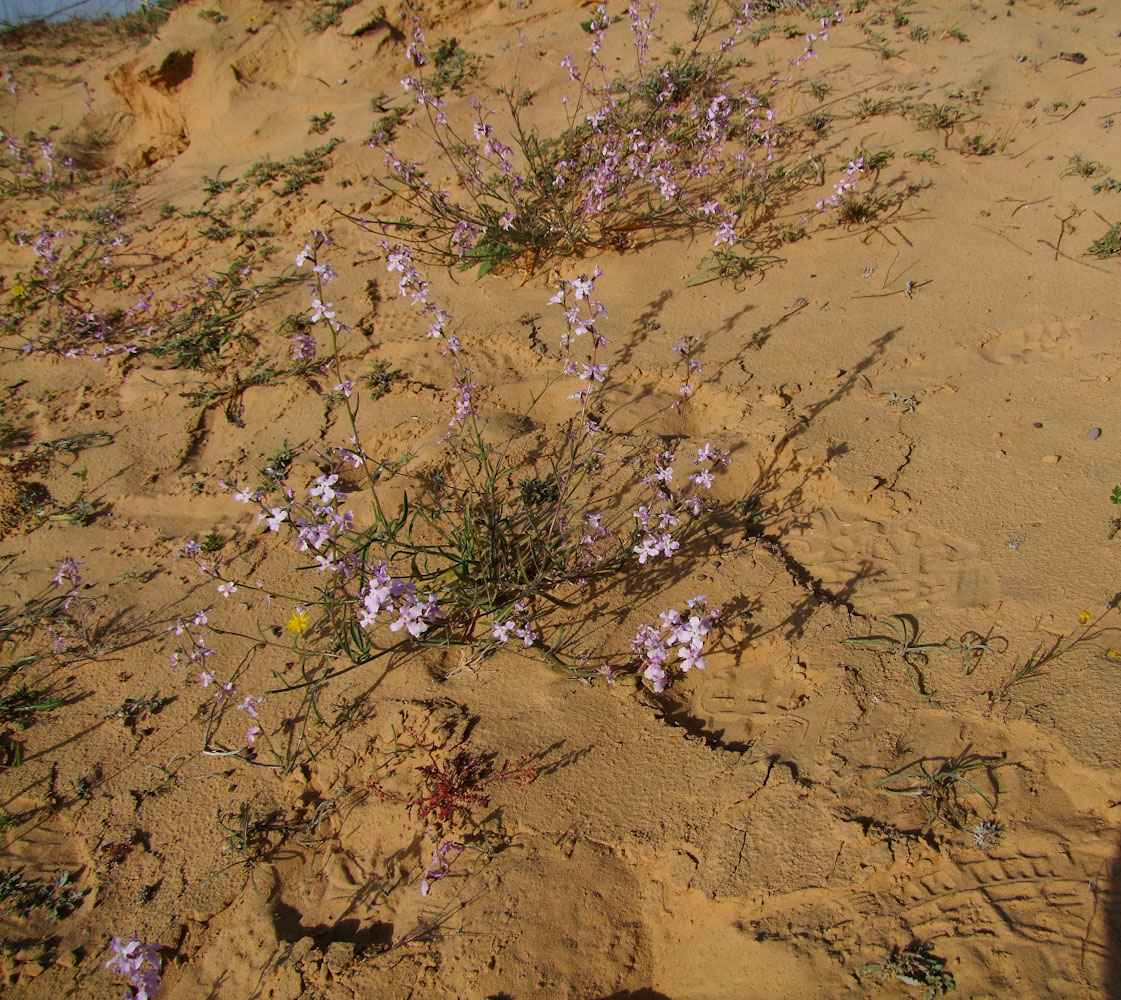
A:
[1052,341]
[879,566]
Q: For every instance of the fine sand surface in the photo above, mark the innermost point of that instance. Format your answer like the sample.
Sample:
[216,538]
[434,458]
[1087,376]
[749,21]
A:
[921,414]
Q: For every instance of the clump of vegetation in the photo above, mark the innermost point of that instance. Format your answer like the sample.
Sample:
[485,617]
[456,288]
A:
[453,67]
[22,895]
[380,379]
[1081,167]
[329,13]
[978,145]
[1108,245]
[936,782]
[915,965]
[18,707]
[938,118]
[295,173]
[132,710]
[319,124]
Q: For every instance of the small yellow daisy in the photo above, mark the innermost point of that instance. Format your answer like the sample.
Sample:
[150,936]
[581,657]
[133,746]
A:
[1113,654]
[1084,617]
[299,623]
[18,291]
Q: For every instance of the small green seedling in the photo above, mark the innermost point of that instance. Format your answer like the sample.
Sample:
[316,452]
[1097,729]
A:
[903,644]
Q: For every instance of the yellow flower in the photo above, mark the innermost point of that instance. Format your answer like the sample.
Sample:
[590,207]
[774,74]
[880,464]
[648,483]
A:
[18,291]
[1084,617]
[299,622]
[1113,654]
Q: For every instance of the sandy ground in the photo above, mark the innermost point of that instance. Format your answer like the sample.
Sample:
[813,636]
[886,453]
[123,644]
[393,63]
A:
[921,417]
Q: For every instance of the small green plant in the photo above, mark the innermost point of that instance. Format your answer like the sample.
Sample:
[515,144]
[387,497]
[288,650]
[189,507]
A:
[1110,184]
[534,492]
[1115,522]
[212,543]
[379,380]
[1080,167]
[213,16]
[856,211]
[24,896]
[295,173]
[817,88]
[1044,656]
[936,783]
[903,644]
[868,107]
[957,33]
[329,13]
[915,965]
[973,646]
[132,710]
[248,839]
[818,122]
[733,267]
[922,155]
[453,67]
[919,34]
[873,162]
[1108,245]
[18,708]
[277,466]
[978,145]
[938,118]
[319,124]
[385,128]
[214,316]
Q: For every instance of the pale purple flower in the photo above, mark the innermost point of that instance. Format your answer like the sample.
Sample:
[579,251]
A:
[278,515]
[68,573]
[321,310]
[129,960]
[324,488]
[227,588]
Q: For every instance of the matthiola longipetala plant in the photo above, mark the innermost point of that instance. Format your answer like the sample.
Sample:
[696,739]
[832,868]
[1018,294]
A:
[671,145]
[476,552]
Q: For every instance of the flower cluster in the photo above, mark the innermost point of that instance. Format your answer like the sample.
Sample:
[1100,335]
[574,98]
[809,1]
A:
[520,626]
[852,173]
[658,521]
[441,863]
[687,631]
[140,962]
[385,592]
